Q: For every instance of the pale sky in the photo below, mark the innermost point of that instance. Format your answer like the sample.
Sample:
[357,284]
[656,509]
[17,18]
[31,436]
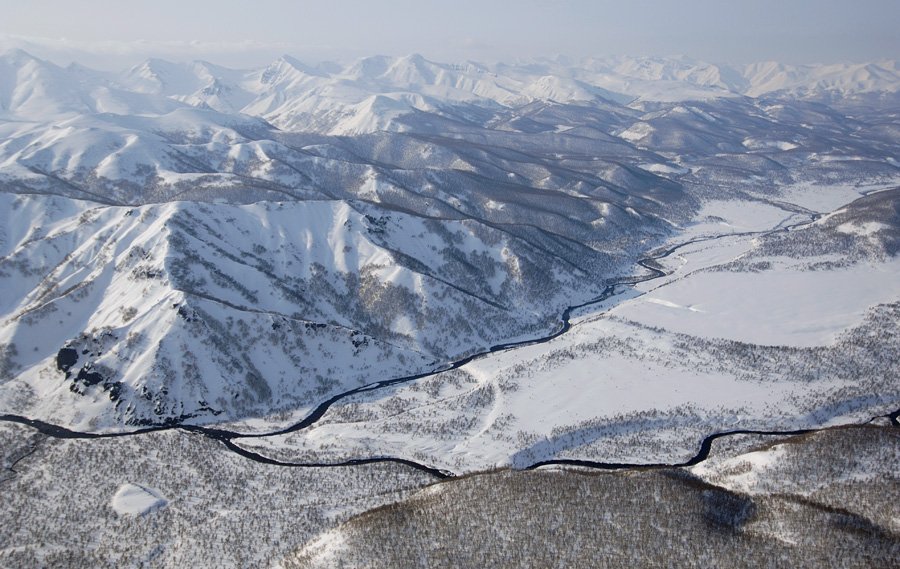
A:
[119,32]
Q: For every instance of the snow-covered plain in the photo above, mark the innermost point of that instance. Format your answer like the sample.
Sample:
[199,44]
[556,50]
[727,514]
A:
[787,307]
[193,243]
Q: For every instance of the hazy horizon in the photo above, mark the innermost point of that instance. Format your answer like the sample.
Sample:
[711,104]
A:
[231,33]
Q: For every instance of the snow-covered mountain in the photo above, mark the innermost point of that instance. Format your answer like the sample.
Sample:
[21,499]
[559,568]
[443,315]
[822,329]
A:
[201,131]
[365,95]
[187,242]
[183,310]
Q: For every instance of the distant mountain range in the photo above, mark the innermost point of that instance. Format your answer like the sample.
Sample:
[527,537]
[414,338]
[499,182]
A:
[370,93]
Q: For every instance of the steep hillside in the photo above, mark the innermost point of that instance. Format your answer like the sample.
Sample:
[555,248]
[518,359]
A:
[184,310]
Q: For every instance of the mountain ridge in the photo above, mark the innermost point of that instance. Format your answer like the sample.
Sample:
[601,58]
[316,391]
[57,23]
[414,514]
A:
[247,91]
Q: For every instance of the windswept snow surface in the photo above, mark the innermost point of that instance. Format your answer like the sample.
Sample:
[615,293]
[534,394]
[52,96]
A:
[135,500]
[790,307]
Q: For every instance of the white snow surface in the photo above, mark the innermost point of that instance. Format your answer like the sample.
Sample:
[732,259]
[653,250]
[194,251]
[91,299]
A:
[789,307]
[135,500]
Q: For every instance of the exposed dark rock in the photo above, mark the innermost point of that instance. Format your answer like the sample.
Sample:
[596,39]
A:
[65,359]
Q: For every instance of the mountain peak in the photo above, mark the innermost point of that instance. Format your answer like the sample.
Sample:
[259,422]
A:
[299,65]
[287,67]
[415,58]
[370,67]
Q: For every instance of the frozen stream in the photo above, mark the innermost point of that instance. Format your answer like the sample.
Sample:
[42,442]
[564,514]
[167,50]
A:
[228,438]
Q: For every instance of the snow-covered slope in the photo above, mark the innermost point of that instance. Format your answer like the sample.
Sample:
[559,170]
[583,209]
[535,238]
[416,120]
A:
[818,80]
[367,94]
[258,250]
[163,131]
[185,310]
[345,216]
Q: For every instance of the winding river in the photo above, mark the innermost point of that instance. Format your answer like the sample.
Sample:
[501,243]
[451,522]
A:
[649,263]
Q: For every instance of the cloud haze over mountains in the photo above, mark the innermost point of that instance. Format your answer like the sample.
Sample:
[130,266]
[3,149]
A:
[106,34]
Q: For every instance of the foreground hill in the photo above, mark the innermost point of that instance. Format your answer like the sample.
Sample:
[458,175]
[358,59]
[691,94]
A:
[653,518]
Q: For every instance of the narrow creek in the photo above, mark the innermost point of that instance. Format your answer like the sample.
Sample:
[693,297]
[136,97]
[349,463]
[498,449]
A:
[227,438]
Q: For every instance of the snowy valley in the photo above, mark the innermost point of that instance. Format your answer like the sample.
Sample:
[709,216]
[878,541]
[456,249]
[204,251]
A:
[352,298]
